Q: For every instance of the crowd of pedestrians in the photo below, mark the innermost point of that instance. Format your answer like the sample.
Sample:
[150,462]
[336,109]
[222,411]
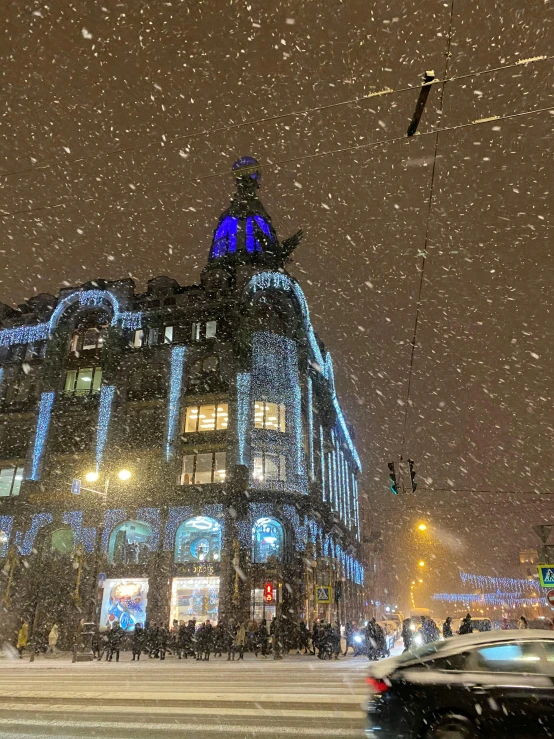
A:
[200,641]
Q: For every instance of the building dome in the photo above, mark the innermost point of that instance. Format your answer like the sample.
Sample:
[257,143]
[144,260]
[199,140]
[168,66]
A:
[244,231]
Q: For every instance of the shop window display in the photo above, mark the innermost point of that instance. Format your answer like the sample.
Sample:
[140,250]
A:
[129,543]
[195,598]
[267,540]
[124,601]
[198,540]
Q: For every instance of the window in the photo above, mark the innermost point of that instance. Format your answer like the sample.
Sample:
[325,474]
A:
[506,657]
[269,467]
[34,350]
[89,339]
[168,334]
[198,540]
[204,468]
[83,381]
[212,417]
[267,540]
[138,338]
[10,481]
[62,541]
[269,416]
[129,543]
[201,330]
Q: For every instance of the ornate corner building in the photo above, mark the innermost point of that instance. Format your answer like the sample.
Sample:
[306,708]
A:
[179,453]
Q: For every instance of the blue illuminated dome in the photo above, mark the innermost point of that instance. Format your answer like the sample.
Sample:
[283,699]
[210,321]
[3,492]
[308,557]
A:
[244,230]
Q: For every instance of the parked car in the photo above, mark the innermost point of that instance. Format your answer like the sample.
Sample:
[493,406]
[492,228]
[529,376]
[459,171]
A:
[490,684]
[477,624]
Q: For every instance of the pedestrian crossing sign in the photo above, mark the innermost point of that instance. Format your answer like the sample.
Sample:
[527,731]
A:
[323,594]
[546,575]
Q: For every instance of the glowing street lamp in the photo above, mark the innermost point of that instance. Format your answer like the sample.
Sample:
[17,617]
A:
[124,474]
[422,527]
[91,476]
[421,563]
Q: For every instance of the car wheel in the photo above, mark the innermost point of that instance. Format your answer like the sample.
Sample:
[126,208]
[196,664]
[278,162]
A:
[450,726]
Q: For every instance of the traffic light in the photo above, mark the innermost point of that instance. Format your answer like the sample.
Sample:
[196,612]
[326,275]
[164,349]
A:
[392,479]
[412,475]
[268,592]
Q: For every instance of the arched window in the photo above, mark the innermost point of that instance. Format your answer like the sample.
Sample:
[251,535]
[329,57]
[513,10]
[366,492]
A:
[267,540]
[198,540]
[129,543]
[62,541]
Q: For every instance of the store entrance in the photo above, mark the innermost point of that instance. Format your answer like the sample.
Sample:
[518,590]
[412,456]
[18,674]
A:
[194,598]
[259,609]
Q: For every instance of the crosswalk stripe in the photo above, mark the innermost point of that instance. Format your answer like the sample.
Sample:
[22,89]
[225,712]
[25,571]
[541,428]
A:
[182,727]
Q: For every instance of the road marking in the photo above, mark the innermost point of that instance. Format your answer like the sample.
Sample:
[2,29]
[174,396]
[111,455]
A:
[199,729]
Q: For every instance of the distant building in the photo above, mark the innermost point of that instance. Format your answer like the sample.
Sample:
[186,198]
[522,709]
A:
[179,453]
[528,559]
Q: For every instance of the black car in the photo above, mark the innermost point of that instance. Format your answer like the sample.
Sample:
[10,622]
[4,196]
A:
[493,685]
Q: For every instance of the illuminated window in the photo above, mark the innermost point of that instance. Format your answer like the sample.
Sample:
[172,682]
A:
[168,334]
[129,543]
[198,540]
[196,329]
[204,468]
[211,417]
[211,329]
[269,467]
[83,381]
[267,540]
[138,338]
[269,416]
[10,481]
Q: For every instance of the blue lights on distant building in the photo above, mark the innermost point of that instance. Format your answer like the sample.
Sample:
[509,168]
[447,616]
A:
[104,414]
[85,537]
[43,424]
[24,334]
[175,387]
[112,518]
[151,516]
[310,414]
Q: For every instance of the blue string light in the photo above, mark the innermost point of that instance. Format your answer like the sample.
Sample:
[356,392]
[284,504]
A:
[24,334]
[86,537]
[174,400]
[6,524]
[131,320]
[324,486]
[244,382]
[497,583]
[490,599]
[275,379]
[112,518]
[175,517]
[38,521]
[310,412]
[151,516]
[280,281]
[104,414]
[43,424]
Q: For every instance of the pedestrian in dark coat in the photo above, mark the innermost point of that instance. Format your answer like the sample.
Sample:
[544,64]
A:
[162,640]
[137,642]
[240,641]
[407,633]
[262,638]
[115,635]
[208,639]
[465,626]
[447,628]
[336,640]
[303,637]
[349,637]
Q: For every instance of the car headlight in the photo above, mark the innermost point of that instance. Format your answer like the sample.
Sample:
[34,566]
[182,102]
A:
[412,627]
[358,639]
[418,639]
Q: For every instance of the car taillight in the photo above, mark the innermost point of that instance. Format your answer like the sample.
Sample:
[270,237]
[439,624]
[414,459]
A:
[379,686]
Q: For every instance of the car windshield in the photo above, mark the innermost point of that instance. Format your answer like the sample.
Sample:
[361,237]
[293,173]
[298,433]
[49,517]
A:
[419,653]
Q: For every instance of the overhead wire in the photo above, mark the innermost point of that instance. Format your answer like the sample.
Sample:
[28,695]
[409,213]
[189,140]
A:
[272,118]
[137,190]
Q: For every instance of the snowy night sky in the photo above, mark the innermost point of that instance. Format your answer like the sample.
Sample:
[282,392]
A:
[120,122]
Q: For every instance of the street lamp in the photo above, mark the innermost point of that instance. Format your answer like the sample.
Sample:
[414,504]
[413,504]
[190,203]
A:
[421,563]
[94,476]
[91,476]
[422,527]
[124,474]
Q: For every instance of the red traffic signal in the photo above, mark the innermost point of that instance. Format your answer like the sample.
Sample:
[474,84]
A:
[268,592]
